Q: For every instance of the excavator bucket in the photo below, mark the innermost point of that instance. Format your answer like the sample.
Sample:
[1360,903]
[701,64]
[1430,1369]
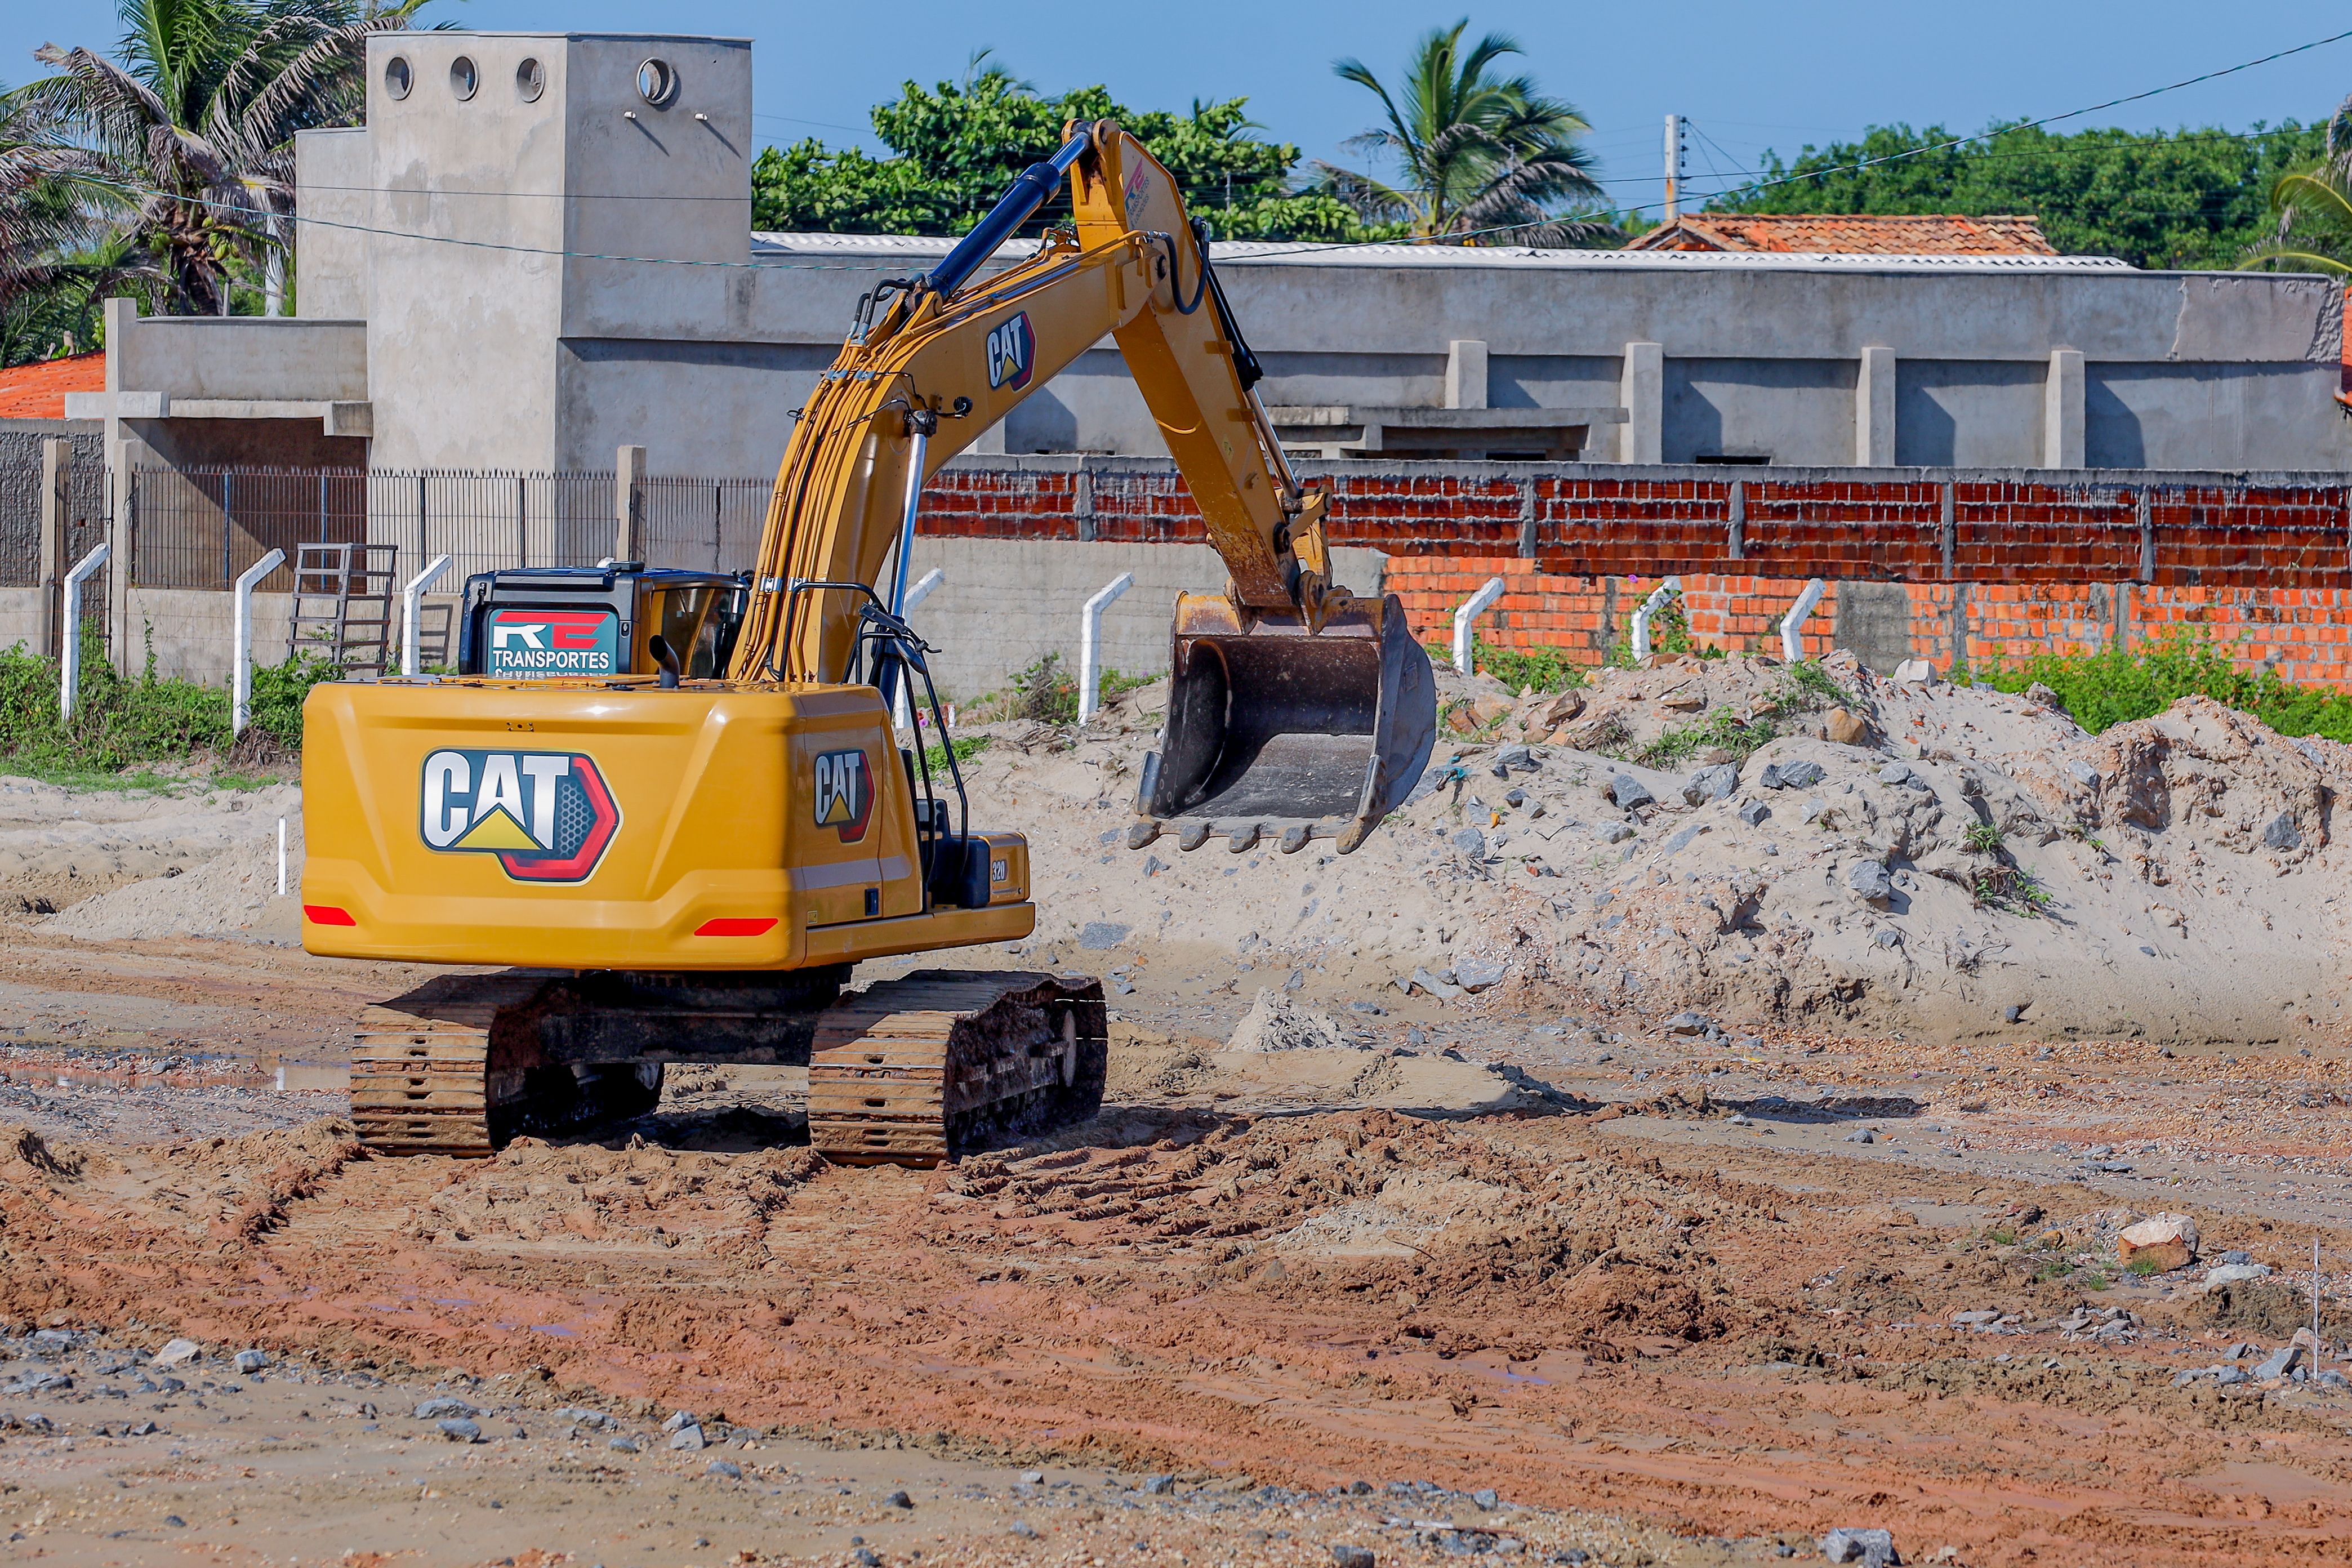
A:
[1276,731]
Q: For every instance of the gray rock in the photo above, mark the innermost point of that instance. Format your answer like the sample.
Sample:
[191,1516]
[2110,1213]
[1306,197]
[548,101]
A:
[1518,757]
[1515,797]
[1895,774]
[2279,1362]
[2231,1376]
[1714,783]
[462,1431]
[443,1406]
[1487,1497]
[1024,1529]
[1754,812]
[1688,1023]
[1423,980]
[689,1438]
[1861,1135]
[252,1361]
[1800,774]
[898,1500]
[1033,1478]
[1888,937]
[867,1557]
[1629,792]
[1153,865]
[575,1415]
[2084,773]
[678,1419]
[1871,1548]
[1158,1486]
[2236,1256]
[1470,841]
[2282,834]
[2333,1379]
[1682,840]
[1353,1556]
[1476,975]
[1098,935]
[1615,833]
[2040,696]
[1870,881]
[178,1352]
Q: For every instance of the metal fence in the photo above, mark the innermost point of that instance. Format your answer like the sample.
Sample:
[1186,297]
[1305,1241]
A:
[201,526]
[709,525]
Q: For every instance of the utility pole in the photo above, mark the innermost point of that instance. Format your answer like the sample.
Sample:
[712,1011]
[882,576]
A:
[1674,167]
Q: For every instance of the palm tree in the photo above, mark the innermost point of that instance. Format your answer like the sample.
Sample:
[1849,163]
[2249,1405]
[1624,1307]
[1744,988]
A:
[1480,152]
[195,122]
[2313,208]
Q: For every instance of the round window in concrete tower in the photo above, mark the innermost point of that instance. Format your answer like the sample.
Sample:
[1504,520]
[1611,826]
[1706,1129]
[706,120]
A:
[530,81]
[463,77]
[656,82]
[397,77]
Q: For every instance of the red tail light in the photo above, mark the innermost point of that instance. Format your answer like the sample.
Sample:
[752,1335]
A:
[736,925]
[327,915]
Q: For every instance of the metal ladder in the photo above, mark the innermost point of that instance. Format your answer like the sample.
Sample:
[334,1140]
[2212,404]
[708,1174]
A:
[343,597]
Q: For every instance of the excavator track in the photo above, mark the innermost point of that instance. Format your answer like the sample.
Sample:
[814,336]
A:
[914,1071]
[906,1072]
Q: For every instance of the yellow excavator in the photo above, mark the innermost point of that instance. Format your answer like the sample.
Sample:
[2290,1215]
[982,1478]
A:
[677,806]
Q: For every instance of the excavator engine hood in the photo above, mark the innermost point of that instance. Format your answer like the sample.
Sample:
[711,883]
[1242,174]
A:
[1276,731]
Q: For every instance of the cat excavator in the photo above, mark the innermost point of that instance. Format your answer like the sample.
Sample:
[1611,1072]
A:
[675,811]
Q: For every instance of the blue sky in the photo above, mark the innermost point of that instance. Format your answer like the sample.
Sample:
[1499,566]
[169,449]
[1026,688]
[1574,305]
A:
[1749,76]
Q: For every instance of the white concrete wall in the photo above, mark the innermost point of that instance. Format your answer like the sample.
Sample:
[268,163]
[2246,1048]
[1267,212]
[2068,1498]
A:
[330,263]
[21,618]
[239,358]
[1006,603]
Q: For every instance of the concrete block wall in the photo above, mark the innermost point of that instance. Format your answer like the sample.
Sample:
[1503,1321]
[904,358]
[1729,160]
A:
[191,630]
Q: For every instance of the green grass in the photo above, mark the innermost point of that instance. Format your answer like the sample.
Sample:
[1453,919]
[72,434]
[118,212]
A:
[124,728]
[2142,1266]
[967,747]
[1520,668]
[1803,688]
[2009,889]
[2102,689]
[2002,1236]
[1984,837]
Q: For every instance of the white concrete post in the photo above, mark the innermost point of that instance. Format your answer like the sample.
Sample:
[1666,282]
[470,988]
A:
[1874,409]
[1793,625]
[1643,390]
[1091,645]
[412,608]
[2061,411]
[69,658]
[1466,373]
[1651,606]
[1476,604]
[629,503]
[905,716]
[240,708]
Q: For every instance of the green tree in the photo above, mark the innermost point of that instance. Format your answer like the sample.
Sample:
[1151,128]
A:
[2311,210]
[193,121]
[52,192]
[2188,198]
[1478,151]
[956,146]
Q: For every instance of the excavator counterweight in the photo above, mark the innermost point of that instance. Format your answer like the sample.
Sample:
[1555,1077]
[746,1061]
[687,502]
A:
[678,804]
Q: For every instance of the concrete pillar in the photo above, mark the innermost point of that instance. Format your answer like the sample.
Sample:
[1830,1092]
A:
[2061,411]
[1466,373]
[1874,409]
[629,504]
[121,326]
[1643,390]
[57,518]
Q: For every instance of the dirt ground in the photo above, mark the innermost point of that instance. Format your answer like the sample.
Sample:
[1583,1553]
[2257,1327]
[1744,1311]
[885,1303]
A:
[1512,1260]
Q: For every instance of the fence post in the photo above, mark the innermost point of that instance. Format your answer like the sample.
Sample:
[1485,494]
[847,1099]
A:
[1793,625]
[240,708]
[629,503]
[57,522]
[1089,644]
[410,609]
[1651,606]
[69,660]
[1472,608]
[905,716]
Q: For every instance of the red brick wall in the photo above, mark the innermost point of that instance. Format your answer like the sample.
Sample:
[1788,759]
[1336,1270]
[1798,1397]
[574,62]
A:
[1996,565]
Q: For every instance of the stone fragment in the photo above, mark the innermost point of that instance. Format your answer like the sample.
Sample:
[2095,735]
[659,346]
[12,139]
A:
[1471,842]
[1351,1556]
[1615,833]
[1710,785]
[689,1438]
[1861,1135]
[1871,1548]
[1754,812]
[1489,707]
[1547,714]
[1802,773]
[1870,881]
[898,1500]
[2282,834]
[577,1416]
[252,1361]
[443,1406]
[178,1352]
[1843,728]
[462,1430]
[1895,774]
[2279,1362]
[680,1419]
[1518,757]
[2040,696]
[1487,1497]
[1629,792]
[1423,981]
[1024,1529]
[2235,1274]
[2166,1240]
[1033,1478]
[1158,1486]
[1916,672]
[1475,974]
[1888,937]
[1096,936]
[1970,1320]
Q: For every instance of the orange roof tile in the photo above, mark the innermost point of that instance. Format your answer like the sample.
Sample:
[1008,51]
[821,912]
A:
[1870,234]
[38,391]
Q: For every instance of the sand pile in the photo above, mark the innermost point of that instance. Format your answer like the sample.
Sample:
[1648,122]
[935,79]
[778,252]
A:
[1274,1024]
[233,894]
[60,847]
[1964,863]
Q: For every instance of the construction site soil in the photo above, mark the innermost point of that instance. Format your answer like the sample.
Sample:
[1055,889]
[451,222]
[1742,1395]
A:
[1563,1177]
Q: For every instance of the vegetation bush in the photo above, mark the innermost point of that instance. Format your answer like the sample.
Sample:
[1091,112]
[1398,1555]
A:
[2113,686]
[122,723]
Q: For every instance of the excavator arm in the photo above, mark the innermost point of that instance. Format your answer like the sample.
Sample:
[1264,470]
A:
[1297,709]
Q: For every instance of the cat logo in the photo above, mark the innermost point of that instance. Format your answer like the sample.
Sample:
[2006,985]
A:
[1012,350]
[1139,190]
[547,817]
[845,793]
